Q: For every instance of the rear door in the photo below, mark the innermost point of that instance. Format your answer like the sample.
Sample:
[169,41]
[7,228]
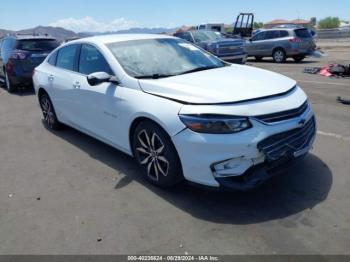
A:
[270,42]
[61,83]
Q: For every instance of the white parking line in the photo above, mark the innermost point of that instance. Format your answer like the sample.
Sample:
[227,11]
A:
[333,135]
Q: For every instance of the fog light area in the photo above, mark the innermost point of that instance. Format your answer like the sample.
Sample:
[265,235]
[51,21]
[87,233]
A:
[235,167]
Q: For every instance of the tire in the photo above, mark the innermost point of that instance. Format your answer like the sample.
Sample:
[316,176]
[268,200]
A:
[298,58]
[49,114]
[279,56]
[8,84]
[156,155]
[258,58]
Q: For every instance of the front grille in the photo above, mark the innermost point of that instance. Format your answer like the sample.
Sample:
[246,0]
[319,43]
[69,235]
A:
[285,115]
[287,143]
[230,50]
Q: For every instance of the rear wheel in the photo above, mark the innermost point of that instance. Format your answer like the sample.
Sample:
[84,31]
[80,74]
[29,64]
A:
[298,58]
[49,114]
[156,155]
[8,84]
[279,56]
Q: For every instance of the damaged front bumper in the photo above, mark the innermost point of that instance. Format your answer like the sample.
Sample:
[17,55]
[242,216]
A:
[252,157]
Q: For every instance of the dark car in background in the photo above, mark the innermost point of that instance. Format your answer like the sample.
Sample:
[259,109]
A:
[19,55]
[229,49]
[281,43]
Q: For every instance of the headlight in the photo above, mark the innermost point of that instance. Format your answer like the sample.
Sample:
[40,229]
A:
[215,124]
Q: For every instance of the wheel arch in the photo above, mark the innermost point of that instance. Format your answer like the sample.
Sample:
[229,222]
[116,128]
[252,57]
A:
[41,91]
[279,48]
[141,119]
[136,122]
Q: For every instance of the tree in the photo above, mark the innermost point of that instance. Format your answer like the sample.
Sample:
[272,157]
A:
[258,25]
[329,23]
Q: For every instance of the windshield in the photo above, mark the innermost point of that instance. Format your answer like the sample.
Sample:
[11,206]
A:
[204,36]
[155,58]
[37,44]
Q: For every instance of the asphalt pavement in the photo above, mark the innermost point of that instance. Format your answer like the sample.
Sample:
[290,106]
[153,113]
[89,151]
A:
[66,193]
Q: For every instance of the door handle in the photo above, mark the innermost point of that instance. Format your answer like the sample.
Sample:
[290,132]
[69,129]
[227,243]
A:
[76,85]
[51,78]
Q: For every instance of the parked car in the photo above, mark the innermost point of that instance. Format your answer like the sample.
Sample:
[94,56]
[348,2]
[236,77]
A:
[180,111]
[281,44]
[19,55]
[219,27]
[230,49]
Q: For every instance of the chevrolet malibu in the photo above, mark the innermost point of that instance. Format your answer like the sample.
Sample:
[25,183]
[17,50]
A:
[181,112]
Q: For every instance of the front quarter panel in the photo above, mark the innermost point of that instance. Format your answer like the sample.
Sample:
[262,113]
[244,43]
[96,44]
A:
[138,104]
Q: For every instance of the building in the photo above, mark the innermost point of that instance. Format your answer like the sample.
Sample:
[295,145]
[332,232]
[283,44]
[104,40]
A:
[278,22]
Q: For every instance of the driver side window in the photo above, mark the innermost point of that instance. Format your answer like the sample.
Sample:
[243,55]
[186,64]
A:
[259,36]
[92,61]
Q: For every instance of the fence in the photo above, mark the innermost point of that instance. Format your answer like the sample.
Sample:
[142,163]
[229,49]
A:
[333,34]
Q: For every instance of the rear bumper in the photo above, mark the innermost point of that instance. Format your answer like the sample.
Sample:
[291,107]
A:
[300,52]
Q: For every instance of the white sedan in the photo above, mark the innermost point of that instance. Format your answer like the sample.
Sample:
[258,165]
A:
[180,111]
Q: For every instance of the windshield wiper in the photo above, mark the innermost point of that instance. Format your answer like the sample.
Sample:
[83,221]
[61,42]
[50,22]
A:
[154,76]
[203,68]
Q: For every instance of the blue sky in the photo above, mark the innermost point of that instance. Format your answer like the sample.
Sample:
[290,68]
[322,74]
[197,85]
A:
[102,15]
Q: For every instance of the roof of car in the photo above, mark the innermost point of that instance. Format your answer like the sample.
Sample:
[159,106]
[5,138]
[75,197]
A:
[30,36]
[106,39]
[281,28]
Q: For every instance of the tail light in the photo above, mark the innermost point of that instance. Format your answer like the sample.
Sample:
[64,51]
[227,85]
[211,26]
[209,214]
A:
[295,40]
[18,55]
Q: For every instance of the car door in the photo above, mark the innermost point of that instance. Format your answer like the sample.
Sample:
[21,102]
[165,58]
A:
[270,42]
[100,103]
[61,84]
[254,46]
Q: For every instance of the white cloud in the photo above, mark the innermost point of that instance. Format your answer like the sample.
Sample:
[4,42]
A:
[89,24]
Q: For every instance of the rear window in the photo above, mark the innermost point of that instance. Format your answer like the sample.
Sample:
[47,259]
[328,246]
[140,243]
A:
[302,33]
[37,44]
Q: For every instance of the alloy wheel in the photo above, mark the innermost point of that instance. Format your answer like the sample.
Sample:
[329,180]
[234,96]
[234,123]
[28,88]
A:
[279,56]
[48,113]
[150,150]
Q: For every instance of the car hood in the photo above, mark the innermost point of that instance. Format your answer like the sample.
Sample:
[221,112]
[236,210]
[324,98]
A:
[226,41]
[229,84]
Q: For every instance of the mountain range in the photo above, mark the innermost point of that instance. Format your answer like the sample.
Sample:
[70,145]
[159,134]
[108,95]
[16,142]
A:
[62,34]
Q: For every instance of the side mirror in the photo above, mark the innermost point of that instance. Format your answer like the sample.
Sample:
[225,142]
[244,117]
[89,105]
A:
[101,77]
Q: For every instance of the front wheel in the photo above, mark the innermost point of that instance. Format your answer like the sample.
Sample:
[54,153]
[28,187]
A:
[279,56]
[156,155]
[49,114]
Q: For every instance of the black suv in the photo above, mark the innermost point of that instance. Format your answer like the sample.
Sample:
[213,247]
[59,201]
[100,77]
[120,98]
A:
[19,55]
